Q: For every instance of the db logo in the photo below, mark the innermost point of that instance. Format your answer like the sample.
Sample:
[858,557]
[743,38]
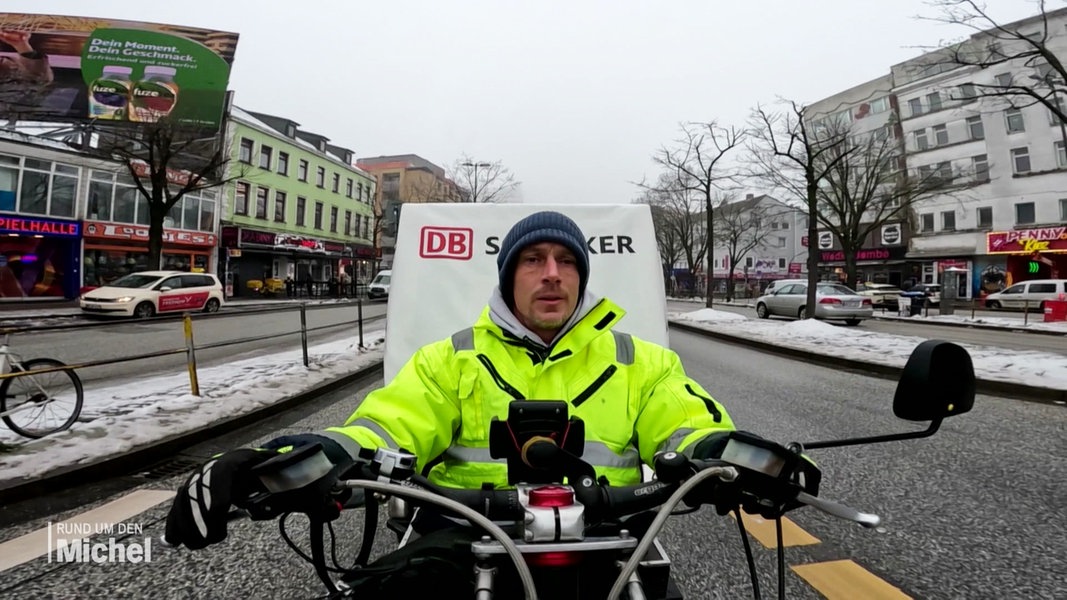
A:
[446,242]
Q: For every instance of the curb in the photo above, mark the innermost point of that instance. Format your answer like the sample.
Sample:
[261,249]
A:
[146,455]
[1018,391]
[1009,328]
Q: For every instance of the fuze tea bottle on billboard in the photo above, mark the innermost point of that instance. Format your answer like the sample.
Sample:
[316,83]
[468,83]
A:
[153,97]
[109,95]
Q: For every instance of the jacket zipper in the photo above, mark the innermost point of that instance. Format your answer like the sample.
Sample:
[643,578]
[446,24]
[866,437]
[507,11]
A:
[504,385]
[589,391]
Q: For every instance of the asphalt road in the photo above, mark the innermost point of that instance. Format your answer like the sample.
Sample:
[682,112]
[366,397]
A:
[975,512]
[979,337]
[137,338]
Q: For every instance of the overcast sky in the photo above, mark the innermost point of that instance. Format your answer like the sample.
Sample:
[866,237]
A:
[572,96]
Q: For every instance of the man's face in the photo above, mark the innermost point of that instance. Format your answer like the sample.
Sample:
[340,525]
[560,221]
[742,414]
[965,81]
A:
[546,288]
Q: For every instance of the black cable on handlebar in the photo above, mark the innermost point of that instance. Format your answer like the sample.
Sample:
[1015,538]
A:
[370,527]
[748,554]
[318,554]
[781,558]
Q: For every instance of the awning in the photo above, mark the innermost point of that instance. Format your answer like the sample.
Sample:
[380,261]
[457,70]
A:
[942,252]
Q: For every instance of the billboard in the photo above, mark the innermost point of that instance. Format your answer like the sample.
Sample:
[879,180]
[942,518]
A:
[56,68]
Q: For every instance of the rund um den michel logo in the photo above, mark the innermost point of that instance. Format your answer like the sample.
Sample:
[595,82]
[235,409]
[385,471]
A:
[98,543]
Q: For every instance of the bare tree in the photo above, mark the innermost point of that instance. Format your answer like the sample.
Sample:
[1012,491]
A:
[166,162]
[484,182]
[741,226]
[867,186]
[677,217]
[697,155]
[425,186]
[1038,75]
[791,154]
[670,251]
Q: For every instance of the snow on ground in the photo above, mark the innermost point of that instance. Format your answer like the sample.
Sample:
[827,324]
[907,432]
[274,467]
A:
[134,413]
[990,363]
[1009,320]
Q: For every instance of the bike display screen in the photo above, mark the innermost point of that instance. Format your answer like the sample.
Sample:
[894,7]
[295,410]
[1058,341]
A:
[752,457]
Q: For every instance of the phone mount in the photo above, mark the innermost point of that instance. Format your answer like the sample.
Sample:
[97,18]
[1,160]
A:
[527,437]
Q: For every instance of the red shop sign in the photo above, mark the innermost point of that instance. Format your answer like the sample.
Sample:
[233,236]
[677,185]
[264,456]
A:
[139,233]
[1027,241]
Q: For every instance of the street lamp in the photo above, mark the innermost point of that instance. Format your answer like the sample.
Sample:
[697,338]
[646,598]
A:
[484,165]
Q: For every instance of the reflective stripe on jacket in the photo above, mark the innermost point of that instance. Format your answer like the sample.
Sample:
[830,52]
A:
[633,396]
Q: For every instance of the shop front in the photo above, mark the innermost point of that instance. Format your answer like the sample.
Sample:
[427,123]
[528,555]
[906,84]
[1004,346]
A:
[359,262]
[113,250]
[1026,254]
[39,258]
[876,265]
[252,254]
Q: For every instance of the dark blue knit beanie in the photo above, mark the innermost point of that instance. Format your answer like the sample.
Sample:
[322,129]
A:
[545,226]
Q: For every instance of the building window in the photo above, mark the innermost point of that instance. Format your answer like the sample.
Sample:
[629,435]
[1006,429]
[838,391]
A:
[921,143]
[1052,118]
[333,219]
[301,210]
[940,135]
[944,172]
[348,187]
[1014,120]
[1063,209]
[320,177]
[916,106]
[265,153]
[247,146]
[927,222]
[283,163]
[1004,79]
[948,220]
[359,191]
[366,228]
[967,93]
[240,199]
[975,129]
[279,207]
[348,223]
[781,242]
[781,263]
[336,187]
[1061,157]
[302,171]
[934,100]
[1020,160]
[980,164]
[318,215]
[880,105]
[749,262]
[261,202]
[985,216]
[47,188]
[1024,213]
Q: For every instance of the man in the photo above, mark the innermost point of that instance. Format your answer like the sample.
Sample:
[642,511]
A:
[542,336]
[24,78]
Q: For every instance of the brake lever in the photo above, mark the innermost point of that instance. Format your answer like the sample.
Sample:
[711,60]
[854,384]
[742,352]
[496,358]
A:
[840,511]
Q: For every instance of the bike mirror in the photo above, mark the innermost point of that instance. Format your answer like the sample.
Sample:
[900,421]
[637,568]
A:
[937,382]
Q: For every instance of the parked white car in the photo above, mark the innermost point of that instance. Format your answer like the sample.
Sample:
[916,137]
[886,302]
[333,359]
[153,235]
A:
[1032,294]
[379,286]
[148,293]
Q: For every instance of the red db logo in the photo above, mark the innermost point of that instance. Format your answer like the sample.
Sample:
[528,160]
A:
[446,242]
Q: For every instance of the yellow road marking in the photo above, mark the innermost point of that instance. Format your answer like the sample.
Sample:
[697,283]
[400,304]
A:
[846,580]
[764,532]
[34,544]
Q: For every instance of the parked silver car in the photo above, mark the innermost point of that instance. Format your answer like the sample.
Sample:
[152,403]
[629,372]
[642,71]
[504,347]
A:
[833,302]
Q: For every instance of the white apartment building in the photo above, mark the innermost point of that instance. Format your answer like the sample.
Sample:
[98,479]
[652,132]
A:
[1007,166]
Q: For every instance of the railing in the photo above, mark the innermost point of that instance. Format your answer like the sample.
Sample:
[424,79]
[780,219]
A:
[190,347]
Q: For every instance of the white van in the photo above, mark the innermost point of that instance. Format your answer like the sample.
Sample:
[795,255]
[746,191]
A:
[379,286]
[1032,294]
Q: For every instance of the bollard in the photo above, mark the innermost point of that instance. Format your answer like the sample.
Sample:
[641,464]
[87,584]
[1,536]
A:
[359,308]
[304,331]
[1026,312]
[974,301]
[190,354]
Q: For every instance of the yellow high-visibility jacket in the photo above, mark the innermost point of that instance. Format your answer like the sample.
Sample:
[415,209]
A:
[633,396]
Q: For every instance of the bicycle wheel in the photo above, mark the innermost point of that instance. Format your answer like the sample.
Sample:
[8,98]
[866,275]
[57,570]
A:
[37,405]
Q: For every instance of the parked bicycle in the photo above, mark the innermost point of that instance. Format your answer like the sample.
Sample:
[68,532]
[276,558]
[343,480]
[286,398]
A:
[37,404]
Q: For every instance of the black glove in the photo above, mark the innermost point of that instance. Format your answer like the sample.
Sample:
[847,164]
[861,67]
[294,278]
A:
[333,450]
[200,510]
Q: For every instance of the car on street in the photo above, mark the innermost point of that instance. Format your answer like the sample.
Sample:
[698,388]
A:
[149,293]
[379,286]
[882,295]
[1028,294]
[932,291]
[834,302]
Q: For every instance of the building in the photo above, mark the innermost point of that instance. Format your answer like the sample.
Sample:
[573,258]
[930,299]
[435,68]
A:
[295,206]
[401,179]
[779,252]
[68,220]
[868,109]
[1003,214]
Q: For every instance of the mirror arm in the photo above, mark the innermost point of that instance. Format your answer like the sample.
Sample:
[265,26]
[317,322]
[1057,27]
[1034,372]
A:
[894,437]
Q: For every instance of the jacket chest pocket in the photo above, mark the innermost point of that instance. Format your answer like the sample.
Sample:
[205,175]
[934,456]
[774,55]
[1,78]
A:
[480,400]
[605,407]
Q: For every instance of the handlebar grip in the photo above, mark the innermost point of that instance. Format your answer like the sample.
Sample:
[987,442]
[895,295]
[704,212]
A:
[495,505]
